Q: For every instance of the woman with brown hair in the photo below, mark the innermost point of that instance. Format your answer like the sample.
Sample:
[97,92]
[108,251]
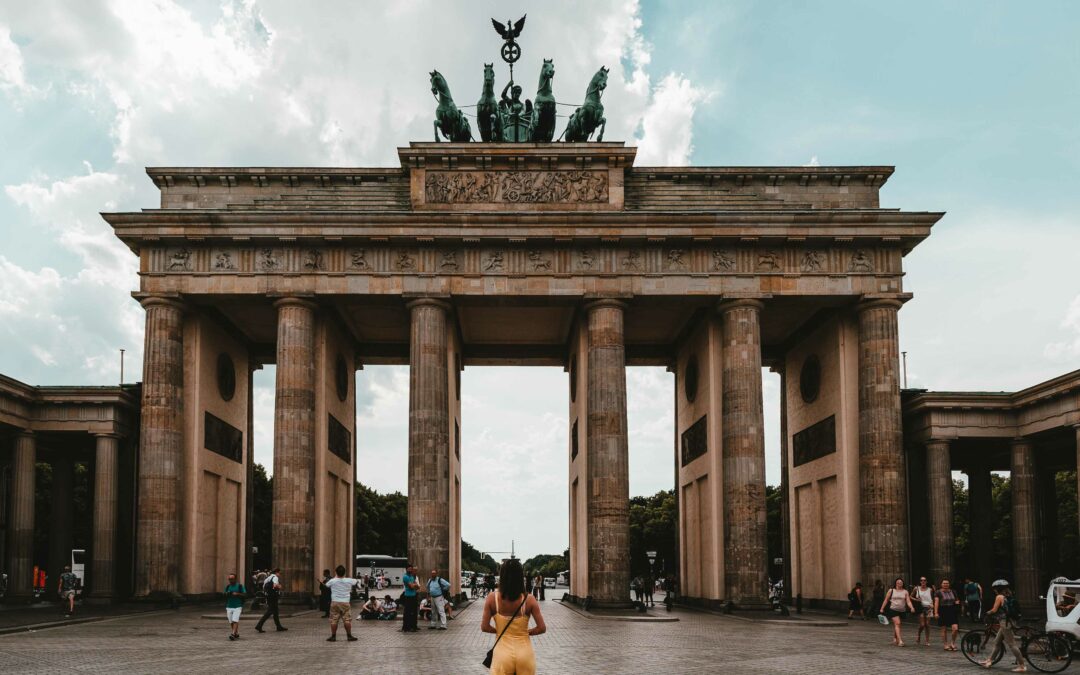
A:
[897,603]
[511,607]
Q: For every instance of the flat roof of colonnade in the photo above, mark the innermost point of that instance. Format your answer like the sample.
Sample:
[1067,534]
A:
[516,236]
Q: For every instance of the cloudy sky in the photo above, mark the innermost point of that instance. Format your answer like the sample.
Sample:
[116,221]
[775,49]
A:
[976,104]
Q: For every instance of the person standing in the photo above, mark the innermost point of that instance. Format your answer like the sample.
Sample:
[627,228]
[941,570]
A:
[511,608]
[923,595]
[437,588]
[324,594]
[472,585]
[65,589]
[537,585]
[855,601]
[973,594]
[272,590]
[340,592]
[409,599]
[234,604]
[946,604]
[1006,611]
[898,601]
[649,586]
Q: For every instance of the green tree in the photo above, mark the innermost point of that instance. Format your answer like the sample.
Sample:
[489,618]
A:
[475,561]
[963,552]
[1068,537]
[548,564]
[774,542]
[381,522]
[653,524]
[262,517]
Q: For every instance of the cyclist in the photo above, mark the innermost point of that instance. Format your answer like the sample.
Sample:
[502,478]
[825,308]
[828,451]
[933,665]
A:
[1006,611]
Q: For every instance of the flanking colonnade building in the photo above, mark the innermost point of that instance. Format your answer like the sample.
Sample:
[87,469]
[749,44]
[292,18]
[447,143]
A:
[563,255]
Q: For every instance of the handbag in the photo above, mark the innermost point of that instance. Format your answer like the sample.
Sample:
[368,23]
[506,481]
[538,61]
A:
[491,652]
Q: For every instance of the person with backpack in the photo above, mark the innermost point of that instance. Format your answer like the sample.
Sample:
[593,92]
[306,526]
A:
[272,591]
[437,588]
[1006,611]
[973,594]
[855,601]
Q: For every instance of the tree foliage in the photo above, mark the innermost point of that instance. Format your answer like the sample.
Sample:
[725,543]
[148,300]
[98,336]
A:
[381,522]
[548,564]
[475,561]
[653,526]
[262,516]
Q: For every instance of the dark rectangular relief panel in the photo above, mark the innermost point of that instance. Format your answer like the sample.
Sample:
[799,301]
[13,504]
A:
[338,439]
[814,442]
[223,438]
[573,441]
[695,440]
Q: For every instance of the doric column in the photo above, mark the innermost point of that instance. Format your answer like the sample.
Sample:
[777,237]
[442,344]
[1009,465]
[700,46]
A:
[1025,523]
[294,447]
[882,486]
[60,515]
[608,487]
[940,501]
[785,485]
[980,514]
[103,546]
[743,445]
[429,437]
[1077,428]
[21,524]
[161,447]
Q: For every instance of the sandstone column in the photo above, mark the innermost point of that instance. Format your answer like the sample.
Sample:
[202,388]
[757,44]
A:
[1025,524]
[980,510]
[882,486]
[106,476]
[294,448]
[161,445]
[608,487]
[743,445]
[21,525]
[60,515]
[785,487]
[940,501]
[429,437]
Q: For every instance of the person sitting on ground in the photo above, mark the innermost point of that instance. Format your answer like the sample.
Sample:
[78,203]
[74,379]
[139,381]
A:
[371,609]
[388,611]
[425,609]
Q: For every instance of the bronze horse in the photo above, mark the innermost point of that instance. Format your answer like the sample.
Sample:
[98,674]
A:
[590,115]
[448,119]
[487,108]
[543,120]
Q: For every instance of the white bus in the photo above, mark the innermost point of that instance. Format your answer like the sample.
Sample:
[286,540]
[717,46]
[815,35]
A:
[391,567]
[78,567]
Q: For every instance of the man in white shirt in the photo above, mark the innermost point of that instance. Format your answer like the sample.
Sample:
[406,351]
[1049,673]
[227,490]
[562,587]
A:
[340,607]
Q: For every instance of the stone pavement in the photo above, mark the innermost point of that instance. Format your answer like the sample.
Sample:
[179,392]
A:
[182,642]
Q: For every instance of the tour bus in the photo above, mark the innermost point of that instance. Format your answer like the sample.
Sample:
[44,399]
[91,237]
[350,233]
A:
[563,578]
[389,566]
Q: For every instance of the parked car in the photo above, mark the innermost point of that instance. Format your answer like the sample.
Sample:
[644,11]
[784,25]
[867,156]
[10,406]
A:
[549,582]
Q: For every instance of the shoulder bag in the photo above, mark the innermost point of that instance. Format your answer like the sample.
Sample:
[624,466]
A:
[491,652]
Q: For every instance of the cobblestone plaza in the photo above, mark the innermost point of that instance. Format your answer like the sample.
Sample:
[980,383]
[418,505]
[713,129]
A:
[183,642]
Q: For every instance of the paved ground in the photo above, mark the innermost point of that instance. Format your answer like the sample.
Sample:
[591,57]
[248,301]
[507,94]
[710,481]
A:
[182,642]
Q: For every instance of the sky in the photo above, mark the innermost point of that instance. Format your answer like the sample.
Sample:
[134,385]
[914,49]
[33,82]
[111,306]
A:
[976,104]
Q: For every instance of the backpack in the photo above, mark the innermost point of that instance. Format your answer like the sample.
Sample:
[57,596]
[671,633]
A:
[268,586]
[1012,608]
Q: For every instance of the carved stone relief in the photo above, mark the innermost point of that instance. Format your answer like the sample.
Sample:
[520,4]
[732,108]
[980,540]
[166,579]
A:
[539,262]
[359,259]
[675,260]
[493,262]
[768,261]
[586,259]
[404,262]
[813,261]
[313,260]
[180,260]
[861,262]
[224,261]
[632,261]
[548,187]
[723,261]
[449,261]
[268,260]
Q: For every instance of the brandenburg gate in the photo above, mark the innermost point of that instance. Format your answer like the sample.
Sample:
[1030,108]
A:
[555,254]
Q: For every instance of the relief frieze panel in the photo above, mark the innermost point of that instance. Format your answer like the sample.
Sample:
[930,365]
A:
[516,187]
[523,259]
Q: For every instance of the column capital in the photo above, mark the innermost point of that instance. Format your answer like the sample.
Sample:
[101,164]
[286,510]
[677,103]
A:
[148,300]
[938,441]
[599,303]
[429,301]
[107,434]
[1020,440]
[868,303]
[728,304]
[24,433]
[306,301]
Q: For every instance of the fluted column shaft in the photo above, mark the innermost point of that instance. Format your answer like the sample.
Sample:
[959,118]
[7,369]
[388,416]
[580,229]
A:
[21,526]
[161,448]
[106,477]
[60,515]
[940,501]
[743,452]
[785,487]
[608,505]
[882,485]
[1025,523]
[294,447]
[429,437]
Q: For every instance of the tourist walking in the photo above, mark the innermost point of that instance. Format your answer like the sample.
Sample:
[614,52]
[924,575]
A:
[437,588]
[340,593]
[472,586]
[511,608]
[973,593]
[1006,611]
[855,601]
[537,586]
[923,600]
[897,603]
[234,604]
[65,589]
[648,588]
[409,600]
[272,590]
[635,585]
[324,594]
[946,609]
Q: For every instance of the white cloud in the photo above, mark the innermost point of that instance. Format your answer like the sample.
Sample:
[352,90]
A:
[1069,349]
[667,123]
[12,75]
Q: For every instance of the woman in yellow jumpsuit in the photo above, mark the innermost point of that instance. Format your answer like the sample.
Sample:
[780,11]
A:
[511,605]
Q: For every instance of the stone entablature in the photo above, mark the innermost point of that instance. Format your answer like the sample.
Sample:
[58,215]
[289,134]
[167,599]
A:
[949,415]
[99,410]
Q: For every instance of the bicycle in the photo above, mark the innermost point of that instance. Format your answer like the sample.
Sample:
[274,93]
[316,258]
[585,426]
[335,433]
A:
[975,645]
[1048,652]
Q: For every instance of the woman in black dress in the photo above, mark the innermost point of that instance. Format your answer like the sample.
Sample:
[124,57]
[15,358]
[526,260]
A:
[947,611]
[324,594]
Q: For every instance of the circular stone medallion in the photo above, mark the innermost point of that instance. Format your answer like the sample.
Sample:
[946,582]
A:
[226,376]
[810,379]
[341,378]
[690,379]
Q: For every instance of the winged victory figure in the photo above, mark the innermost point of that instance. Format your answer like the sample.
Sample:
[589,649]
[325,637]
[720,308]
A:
[509,31]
